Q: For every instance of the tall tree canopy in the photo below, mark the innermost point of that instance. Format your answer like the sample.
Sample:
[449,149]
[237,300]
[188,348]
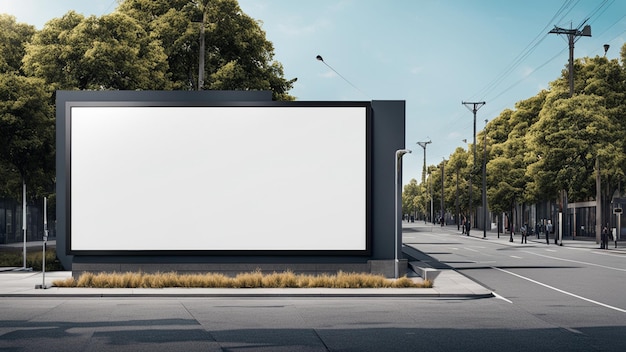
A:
[143,45]
[237,55]
[27,135]
[13,39]
[95,53]
[553,142]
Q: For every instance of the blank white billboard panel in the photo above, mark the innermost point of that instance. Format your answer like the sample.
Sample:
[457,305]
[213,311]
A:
[218,178]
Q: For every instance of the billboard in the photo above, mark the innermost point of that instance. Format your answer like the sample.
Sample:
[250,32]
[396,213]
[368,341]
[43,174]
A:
[250,178]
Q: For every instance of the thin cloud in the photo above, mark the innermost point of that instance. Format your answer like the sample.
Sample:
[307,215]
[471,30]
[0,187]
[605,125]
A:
[416,70]
[294,27]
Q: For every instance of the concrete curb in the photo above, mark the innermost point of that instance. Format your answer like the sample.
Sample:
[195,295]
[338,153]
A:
[22,285]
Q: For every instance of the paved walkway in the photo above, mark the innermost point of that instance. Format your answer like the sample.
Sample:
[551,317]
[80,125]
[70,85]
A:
[16,283]
[23,284]
[492,235]
[449,283]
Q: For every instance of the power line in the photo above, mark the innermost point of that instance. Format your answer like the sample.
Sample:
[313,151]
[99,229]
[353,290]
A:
[529,49]
[528,75]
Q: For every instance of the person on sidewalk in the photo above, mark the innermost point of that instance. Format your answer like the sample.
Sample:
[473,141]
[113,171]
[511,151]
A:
[463,226]
[468,226]
[604,237]
[524,230]
[537,229]
[548,230]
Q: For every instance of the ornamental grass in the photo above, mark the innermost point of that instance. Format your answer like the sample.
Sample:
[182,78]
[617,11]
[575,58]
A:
[255,279]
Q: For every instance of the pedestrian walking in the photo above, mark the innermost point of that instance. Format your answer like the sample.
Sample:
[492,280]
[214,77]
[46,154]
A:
[548,230]
[463,226]
[524,230]
[468,226]
[604,238]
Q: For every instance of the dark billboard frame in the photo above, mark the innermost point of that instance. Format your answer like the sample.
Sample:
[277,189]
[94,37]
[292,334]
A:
[90,102]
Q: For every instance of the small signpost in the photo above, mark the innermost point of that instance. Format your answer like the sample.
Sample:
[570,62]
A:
[45,242]
[618,214]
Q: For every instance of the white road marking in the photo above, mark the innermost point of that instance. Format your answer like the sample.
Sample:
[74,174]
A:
[573,330]
[500,297]
[561,291]
[516,257]
[577,261]
[609,254]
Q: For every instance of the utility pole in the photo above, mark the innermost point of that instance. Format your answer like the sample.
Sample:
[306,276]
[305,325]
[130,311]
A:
[456,201]
[443,217]
[572,37]
[201,52]
[474,109]
[423,145]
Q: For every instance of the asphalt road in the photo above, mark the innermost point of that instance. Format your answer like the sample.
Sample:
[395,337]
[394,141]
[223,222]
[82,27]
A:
[580,289]
[271,324]
[549,299]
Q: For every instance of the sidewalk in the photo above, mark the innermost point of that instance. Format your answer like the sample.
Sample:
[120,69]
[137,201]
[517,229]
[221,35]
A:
[492,235]
[16,283]
[449,283]
[22,284]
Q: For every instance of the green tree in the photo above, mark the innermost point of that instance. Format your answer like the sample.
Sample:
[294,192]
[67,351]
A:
[13,39]
[456,169]
[409,194]
[109,52]
[27,135]
[569,136]
[237,54]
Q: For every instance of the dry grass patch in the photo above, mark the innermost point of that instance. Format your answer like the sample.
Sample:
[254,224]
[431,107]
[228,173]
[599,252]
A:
[33,259]
[255,279]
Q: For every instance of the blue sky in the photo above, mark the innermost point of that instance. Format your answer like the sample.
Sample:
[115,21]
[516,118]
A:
[433,54]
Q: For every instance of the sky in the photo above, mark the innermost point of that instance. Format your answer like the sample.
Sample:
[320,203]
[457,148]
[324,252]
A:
[433,54]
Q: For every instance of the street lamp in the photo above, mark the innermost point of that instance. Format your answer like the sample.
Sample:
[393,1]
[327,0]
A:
[469,215]
[456,201]
[443,217]
[424,145]
[320,58]
[398,163]
[485,182]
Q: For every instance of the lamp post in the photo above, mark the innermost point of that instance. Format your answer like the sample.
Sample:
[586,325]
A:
[397,220]
[469,216]
[456,201]
[24,220]
[424,145]
[485,182]
[443,217]
[320,58]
